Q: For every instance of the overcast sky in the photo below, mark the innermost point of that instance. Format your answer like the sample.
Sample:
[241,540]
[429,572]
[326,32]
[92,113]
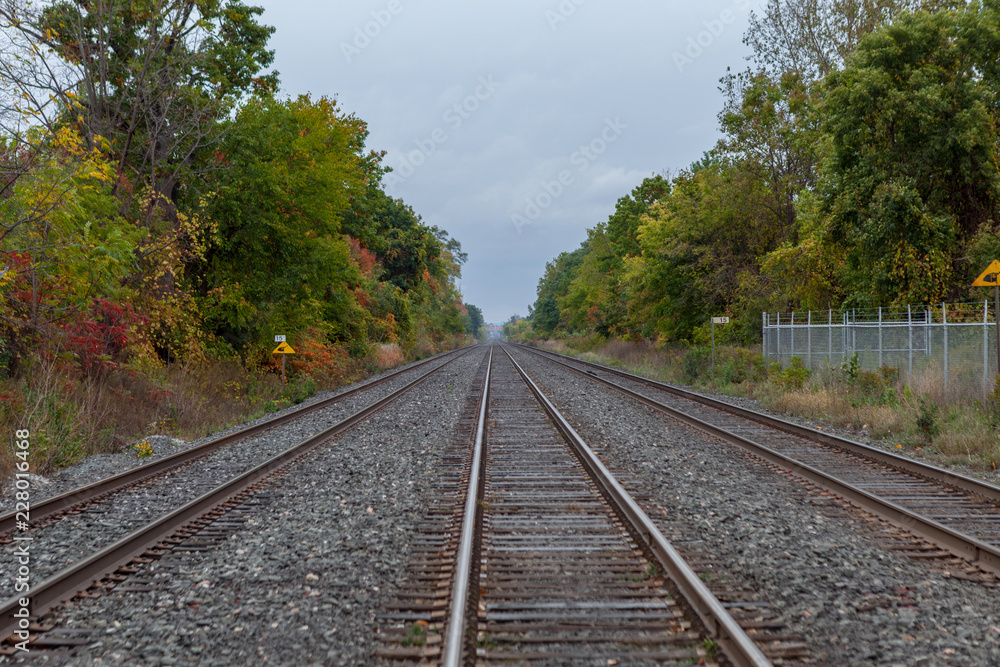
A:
[517,125]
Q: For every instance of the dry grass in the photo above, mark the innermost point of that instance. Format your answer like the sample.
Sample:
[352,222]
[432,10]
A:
[966,432]
[70,417]
[389,356]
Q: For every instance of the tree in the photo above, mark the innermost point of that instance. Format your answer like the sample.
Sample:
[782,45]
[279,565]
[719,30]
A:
[812,38]
[474,323]
[911,175]
[771,137]
[698,246]
[278,261]
[149,77]
[623,224]
[553,286]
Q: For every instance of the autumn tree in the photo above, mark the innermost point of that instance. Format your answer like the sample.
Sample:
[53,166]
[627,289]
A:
[150,77]
[277,261]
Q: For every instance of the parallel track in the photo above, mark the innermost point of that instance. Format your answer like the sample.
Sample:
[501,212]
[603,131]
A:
[159,535]
[44,511]
[958,513]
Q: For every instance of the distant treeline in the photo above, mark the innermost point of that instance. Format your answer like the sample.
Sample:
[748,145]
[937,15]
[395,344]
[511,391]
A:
[859,166]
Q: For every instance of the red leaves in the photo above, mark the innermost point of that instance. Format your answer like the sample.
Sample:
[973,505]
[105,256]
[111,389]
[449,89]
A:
[100,337]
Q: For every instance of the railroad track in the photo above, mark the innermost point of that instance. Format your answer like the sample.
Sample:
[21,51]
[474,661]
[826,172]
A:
[958,514]
[544,558]
[44,512]
[195,526]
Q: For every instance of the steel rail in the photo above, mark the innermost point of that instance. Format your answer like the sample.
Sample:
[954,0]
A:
[958,543]
[735,644]
[455,637]
[983,490]
[51,506]
[64,584]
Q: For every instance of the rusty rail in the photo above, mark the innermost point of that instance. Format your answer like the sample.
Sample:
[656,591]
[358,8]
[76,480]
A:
[84,494]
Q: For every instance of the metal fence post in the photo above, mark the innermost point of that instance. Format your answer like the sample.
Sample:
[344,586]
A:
[986,344]
[880,336]
[777,328]
[927,331]
[809,340]
[854,331]
[829,338]
[792,331]
[763,335]
[843,337]
[909,328]
[944,329]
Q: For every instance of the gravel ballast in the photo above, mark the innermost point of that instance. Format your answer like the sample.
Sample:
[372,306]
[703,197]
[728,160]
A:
[74,537]
[854,602]
[301,582]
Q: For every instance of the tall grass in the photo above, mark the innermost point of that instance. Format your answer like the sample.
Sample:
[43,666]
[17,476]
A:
[965,427]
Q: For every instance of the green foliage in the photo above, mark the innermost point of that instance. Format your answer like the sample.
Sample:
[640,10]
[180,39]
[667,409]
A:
[697,363]
[927,419]
[163,209]
[912,171]
[278,261]
[795,376]
[874,387]
[851,369]
[472,320]
[859,166]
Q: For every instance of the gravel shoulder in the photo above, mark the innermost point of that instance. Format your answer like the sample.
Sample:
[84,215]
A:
[301,584]
[855,602]
[100,466]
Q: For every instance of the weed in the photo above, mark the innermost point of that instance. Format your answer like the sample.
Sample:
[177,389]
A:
[730,373]
[851,370]
[696,362]
[142,449]
[711,647]
[416,635]
[927,419]
[795,376]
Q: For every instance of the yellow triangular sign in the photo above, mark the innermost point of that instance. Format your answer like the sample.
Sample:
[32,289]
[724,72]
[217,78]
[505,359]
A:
[284,348]
[990,276]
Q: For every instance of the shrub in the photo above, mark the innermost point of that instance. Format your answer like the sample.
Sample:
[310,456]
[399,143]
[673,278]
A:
[795,376]
[927,419]
[696,362]
[851,369]
[730,372]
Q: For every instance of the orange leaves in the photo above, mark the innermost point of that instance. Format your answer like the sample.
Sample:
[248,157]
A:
[327,364]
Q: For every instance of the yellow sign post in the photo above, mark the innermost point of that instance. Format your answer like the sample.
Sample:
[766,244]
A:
[282,349]
[991,278]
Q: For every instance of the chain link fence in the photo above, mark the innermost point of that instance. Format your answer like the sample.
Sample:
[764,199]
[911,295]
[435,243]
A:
[951,348]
